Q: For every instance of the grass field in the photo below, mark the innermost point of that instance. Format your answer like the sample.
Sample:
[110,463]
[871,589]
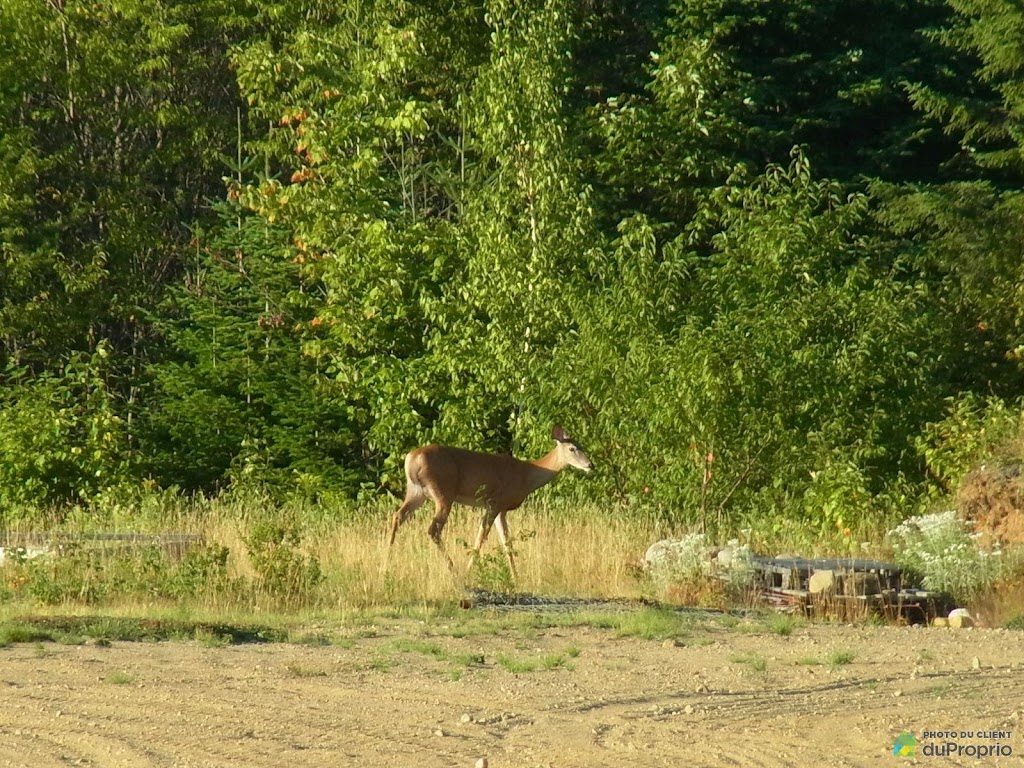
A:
[258,559]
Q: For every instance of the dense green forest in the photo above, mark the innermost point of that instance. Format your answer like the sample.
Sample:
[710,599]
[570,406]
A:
[761,257]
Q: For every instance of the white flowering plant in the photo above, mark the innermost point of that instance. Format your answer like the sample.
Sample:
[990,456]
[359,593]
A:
[939,548]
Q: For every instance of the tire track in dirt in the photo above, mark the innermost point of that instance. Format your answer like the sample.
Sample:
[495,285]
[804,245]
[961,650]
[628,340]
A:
[621,701]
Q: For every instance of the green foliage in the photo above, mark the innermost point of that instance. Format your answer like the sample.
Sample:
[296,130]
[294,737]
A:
[840,658]
[974,428]
[518,666]
[938,548]
[983,112]
[102,629]
[113,116]
[273,246]
[283,572]
[91,575]
[491,573]
[757,663]
[797,365]
[61,437]
[238,401]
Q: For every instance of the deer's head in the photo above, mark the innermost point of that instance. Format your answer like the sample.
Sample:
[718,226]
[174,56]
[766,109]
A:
[569,453]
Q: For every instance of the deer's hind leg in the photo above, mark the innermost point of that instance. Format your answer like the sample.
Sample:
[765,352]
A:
[444,507]
[414,499]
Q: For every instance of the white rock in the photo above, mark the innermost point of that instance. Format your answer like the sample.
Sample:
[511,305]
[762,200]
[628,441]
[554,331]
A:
[678,559]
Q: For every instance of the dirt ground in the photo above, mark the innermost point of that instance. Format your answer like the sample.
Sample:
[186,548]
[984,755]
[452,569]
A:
[724,698]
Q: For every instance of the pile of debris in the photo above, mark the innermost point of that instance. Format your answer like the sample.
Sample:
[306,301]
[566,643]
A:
[810,585]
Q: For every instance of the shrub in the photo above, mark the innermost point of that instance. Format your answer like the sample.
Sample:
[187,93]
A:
[939,549]
[283,572]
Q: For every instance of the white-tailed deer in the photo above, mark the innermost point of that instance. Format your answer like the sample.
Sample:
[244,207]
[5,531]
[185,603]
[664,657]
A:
[498,483]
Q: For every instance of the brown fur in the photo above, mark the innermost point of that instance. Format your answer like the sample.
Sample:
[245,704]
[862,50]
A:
[498,483]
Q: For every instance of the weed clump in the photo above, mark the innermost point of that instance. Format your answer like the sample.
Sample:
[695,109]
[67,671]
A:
[938,548]
[283,572]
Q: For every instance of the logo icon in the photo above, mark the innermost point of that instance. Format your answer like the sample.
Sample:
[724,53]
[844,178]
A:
[905,746]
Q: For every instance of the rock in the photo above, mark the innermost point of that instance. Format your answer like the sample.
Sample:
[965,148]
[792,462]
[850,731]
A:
[822,582]
[671,643]
[688,710]
[725,555]
[439,733]
[467,718]
[975,663]
[481,763]
[939,621]
[960,618]
[673,560]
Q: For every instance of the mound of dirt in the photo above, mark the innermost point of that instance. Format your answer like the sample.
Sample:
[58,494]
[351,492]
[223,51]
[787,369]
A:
[991,499]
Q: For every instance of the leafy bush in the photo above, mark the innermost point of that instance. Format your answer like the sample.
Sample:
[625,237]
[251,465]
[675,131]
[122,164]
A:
[939,549]
[61,438]
[283,572]
[974,429]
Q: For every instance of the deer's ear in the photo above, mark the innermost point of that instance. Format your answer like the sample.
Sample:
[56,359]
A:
[559,434]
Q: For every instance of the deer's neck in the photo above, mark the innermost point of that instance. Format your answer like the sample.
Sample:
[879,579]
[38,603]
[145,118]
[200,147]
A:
[544,470]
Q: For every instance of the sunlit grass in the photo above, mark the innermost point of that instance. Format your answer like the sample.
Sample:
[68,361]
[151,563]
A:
[560,550]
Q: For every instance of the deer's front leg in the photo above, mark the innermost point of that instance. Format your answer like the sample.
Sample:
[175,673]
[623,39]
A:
[485,528]
[501,523]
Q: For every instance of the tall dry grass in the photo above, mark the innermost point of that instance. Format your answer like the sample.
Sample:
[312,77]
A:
[560,549]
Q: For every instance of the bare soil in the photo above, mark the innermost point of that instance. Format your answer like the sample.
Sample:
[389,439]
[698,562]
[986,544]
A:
[991,499]
[725,698]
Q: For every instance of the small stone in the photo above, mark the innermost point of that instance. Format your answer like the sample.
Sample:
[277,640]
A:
[466,719]
[481,763]
[670,643]
[439,733]
[688,710]
[975,663]
[897,693]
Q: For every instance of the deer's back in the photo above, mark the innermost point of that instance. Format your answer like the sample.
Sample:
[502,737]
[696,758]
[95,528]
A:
[467,477]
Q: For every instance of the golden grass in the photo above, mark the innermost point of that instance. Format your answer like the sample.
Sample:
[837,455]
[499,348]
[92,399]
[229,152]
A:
[557,553]
[560,551]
